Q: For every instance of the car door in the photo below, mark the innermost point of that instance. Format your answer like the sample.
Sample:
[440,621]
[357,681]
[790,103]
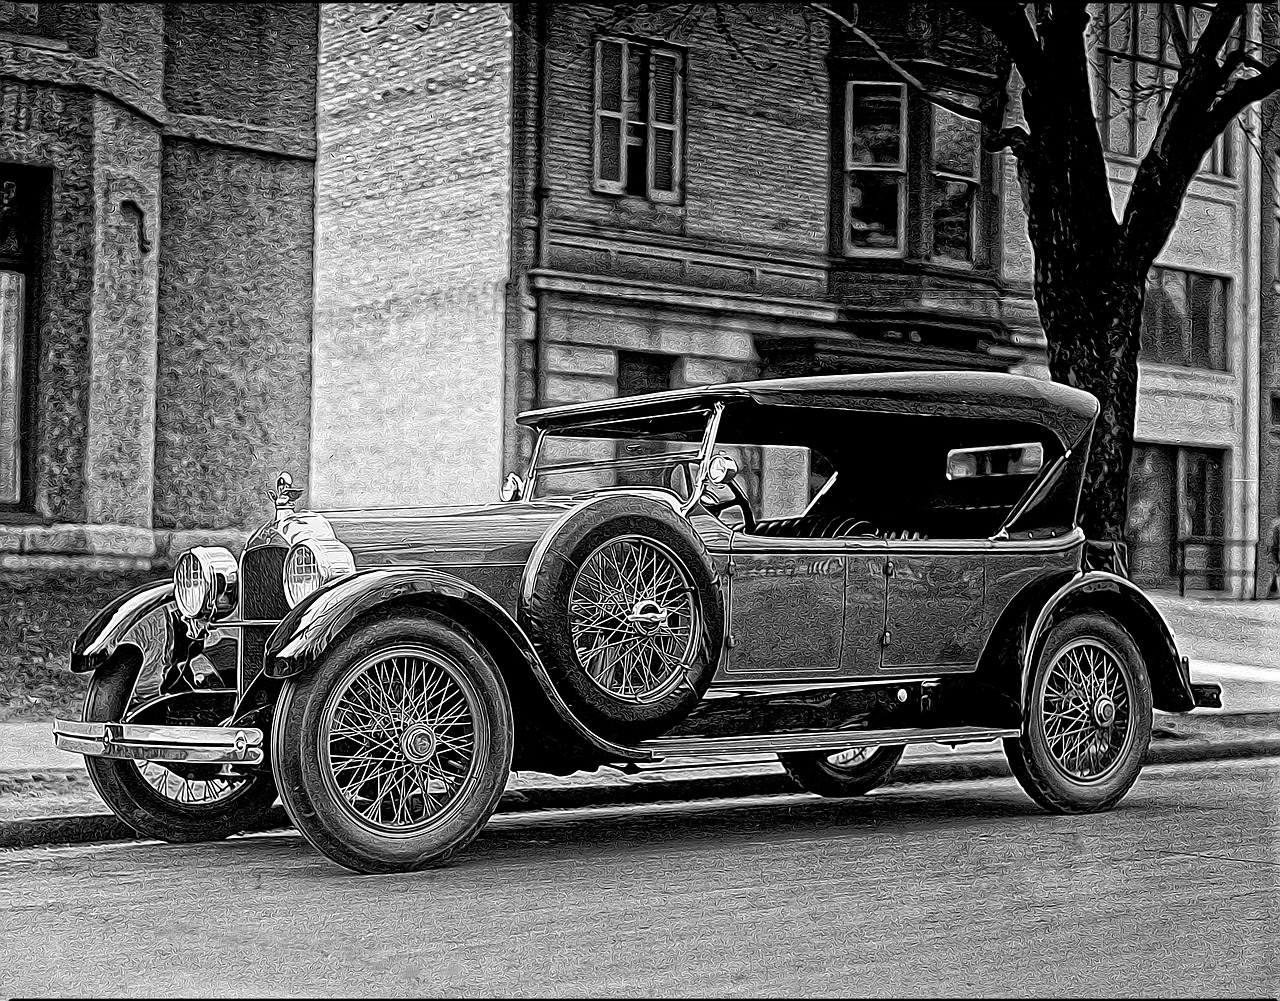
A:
[786,608]
[934,613]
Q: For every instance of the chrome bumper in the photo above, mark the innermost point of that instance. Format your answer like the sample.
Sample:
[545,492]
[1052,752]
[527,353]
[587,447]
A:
[228,745]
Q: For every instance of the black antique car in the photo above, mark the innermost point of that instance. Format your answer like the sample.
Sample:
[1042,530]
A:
[826,569]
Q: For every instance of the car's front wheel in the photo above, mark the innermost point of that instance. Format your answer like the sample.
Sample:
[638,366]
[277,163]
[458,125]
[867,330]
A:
[1087,720]
[854,772]
[392,753]
[171,801]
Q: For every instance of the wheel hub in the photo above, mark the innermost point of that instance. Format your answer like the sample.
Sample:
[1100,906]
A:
[1104,711]
[418,743]
[648,616]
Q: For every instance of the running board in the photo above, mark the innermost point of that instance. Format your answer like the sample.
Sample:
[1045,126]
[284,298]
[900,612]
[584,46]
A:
[824,740]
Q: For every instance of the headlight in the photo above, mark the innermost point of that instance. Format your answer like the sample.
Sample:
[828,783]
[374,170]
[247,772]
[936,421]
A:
[205,582]
[313,564]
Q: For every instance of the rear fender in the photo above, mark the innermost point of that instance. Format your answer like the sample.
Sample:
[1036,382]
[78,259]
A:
[1099,591]
[313,627]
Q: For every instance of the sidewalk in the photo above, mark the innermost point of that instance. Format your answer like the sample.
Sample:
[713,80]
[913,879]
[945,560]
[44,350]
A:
[1222,630]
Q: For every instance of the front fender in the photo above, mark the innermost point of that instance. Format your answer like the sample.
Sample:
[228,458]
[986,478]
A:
[1107,592]
[105,631]
[316,623]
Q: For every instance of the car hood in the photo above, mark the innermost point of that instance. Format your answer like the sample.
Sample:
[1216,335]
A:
[445,536]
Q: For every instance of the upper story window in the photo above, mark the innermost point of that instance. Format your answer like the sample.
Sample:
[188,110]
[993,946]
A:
[639,121]
[875,160]
[883,217]
[1138,67]
[1184,319]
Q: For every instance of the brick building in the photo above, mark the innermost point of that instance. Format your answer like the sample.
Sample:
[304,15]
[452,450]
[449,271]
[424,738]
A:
[156,204]
[581,203]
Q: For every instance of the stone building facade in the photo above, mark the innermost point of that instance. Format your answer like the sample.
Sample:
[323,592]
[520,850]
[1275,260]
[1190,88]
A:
[156,236]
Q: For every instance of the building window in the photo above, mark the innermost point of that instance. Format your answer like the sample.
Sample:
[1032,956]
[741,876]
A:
[957,151]
[883,216]
[12,326]
[23,192]
[1177,499]
[639,121]
[875,157]
[642,372]
[1137,68]
[1184,319]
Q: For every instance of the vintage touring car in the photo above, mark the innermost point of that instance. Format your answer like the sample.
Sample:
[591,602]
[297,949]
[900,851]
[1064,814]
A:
[827,569]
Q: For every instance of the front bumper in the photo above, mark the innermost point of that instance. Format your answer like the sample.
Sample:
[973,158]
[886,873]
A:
[214,745]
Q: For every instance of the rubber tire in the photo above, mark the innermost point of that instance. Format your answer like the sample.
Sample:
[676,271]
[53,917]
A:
[814,774]
[323,821]
[1028,754]
[132,799]
[545,604]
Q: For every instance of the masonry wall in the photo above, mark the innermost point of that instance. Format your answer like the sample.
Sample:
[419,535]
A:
[412,253]
[742,255]
[172,363]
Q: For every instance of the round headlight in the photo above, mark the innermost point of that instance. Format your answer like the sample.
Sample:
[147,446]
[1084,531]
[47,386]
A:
[312,564]
[205,582]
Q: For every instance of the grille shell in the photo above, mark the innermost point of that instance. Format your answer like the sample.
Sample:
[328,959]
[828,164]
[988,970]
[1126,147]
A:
[261,597]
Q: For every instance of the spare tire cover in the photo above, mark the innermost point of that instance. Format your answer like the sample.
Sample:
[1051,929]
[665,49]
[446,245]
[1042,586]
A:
[624,609]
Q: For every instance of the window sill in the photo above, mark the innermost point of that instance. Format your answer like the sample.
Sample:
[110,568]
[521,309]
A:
[638,202]
[34,41]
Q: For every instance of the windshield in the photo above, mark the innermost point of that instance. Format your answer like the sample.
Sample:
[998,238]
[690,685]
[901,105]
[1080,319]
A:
[663,451]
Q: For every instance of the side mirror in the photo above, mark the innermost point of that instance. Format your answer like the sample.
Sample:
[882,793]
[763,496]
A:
[512,488]
[723,468]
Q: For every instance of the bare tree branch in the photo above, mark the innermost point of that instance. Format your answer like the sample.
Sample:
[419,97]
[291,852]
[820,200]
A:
[955,107]
[1218,30]
[1243,93]
[1173,24]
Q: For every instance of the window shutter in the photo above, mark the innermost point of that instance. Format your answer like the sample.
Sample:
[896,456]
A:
[665,127]
[610,117]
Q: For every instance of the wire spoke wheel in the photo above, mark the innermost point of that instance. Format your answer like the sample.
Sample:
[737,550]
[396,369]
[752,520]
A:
[192,785]
[1087,710]
[633,618]
[401,738]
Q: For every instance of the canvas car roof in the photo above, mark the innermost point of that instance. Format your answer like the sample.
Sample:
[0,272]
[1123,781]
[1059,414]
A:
[1067,412]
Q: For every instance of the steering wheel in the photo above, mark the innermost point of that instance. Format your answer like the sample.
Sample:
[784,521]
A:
[737,498]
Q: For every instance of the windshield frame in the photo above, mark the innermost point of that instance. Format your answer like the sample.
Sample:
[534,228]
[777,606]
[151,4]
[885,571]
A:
[711,416]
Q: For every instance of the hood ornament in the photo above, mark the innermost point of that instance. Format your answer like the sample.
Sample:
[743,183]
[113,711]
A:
[284,495]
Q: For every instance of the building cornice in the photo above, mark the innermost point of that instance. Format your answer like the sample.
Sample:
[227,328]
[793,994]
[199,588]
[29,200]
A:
[31,64]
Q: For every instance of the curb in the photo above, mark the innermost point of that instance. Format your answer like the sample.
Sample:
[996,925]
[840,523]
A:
[40,831]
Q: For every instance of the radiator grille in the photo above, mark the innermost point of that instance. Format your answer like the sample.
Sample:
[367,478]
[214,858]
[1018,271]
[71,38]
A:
[261,597]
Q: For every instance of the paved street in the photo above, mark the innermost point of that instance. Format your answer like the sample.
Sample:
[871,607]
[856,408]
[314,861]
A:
[960,890]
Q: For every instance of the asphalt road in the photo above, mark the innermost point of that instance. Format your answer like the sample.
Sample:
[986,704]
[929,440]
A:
[950,890]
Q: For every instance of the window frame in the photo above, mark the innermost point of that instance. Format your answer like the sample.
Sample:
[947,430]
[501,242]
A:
[30,264]
[649,51]
[1186,279]
[1220,159]
[901,170]
[974,182]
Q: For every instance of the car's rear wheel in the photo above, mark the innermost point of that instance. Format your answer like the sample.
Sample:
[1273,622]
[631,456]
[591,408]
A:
[163,800]
[1088,717]
[853,772]
[392,753]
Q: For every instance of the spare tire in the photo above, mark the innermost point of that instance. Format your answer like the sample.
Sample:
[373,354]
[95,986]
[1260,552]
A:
[625,611]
